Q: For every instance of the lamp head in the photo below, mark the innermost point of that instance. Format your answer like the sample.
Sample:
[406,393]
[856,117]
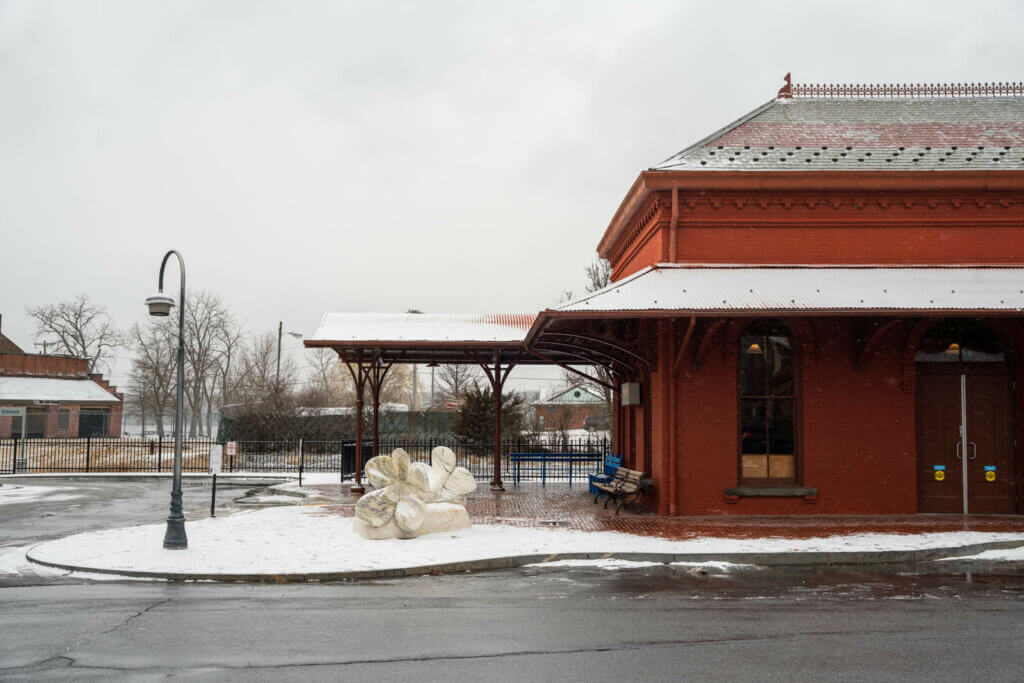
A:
[160,305]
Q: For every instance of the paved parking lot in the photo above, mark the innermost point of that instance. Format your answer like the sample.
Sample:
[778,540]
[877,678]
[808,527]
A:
[75,504]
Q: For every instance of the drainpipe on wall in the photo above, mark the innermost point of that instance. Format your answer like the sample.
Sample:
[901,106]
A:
[673,442]
[672,226]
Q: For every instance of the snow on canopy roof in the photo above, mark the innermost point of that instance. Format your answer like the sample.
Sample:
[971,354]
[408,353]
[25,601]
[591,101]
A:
[424,327]
[53,389]
[865,132]
[680,287]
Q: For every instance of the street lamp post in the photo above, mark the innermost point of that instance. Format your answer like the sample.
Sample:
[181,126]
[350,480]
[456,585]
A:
[160,305]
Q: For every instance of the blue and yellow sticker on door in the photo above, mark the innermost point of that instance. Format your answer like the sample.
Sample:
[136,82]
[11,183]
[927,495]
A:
[990,472]
[940,472]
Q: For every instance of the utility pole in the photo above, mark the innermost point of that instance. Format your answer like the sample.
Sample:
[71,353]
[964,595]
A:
[415,386]
[280,325]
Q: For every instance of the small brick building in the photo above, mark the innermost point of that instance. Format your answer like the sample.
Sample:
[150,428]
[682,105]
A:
[570,409]
[54,396]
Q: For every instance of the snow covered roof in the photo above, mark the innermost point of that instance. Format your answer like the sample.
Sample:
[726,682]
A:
[52,389]
[697,288]
[865,133]
[367,328]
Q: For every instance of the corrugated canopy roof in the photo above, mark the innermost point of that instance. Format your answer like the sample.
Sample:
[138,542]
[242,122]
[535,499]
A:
[27,389]
[864,133]
[365,328]
[701,288]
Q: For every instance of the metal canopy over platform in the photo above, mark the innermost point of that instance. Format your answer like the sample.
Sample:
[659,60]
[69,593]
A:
[370,343]
[446,338]
[681,289]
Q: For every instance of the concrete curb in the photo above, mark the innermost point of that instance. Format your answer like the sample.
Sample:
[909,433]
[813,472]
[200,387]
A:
[781,559]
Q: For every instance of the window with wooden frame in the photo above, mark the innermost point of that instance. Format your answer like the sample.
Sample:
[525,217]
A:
[767,405]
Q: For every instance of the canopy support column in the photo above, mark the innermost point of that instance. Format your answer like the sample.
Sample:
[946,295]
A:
[359,379]
[376,374]
[497,374]
[373,372]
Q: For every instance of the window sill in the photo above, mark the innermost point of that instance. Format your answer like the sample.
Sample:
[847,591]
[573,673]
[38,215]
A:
[771,492]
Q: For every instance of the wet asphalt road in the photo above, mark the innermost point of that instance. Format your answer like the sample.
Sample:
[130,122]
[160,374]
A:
[942,621]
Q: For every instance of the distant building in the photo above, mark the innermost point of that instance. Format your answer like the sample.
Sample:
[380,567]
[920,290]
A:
[54,396]
[571,409]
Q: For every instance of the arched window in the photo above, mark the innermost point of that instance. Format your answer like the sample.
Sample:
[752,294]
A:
[767,405]
[960,341]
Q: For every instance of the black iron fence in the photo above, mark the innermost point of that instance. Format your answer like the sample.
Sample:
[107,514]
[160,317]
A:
[547,462]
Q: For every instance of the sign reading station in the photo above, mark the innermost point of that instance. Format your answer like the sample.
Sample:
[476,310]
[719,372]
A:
[12,412]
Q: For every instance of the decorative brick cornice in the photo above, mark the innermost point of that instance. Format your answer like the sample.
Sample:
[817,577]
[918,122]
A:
[655,204]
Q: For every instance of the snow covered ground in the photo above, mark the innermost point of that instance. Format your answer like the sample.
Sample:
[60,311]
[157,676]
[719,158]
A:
[16,493]
[307,540]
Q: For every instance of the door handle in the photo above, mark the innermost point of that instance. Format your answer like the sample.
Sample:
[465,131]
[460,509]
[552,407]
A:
[974,449]
[959,455]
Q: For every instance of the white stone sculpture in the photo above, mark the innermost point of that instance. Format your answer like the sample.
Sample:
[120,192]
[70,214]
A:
[413,498]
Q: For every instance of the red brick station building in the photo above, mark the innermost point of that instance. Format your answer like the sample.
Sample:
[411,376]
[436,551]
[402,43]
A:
[816,309]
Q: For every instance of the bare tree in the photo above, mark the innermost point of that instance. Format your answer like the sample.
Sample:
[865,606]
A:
[329,384]
[260,381]
[455,380]
[79,327]
[206,316]
[397,387]
[154,368]
[224,375]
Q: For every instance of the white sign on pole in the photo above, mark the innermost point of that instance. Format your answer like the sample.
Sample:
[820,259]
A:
[216,458]
[12,412]
[232,448]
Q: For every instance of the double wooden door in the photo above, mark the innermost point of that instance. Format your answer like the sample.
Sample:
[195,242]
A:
[979,399]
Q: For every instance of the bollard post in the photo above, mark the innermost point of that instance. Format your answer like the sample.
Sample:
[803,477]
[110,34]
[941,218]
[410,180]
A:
[159,453]
[213,497]
[14,464]
[302,461]
[88,451]
[570,470]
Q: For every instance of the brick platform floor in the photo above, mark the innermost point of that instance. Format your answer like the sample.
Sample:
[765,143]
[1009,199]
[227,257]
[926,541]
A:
[572,508]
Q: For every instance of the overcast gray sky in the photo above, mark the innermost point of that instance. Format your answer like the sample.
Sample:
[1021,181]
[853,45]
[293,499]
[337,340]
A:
[377,156]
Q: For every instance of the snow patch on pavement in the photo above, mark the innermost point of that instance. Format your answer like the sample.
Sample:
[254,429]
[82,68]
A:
[297,540]
[607,563]
[1005,555]
[13,562]
[712,564]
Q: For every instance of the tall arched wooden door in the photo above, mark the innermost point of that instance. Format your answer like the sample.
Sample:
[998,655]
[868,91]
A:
[965,421]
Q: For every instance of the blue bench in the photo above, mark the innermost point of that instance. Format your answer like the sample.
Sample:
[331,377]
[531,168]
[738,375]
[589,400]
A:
[611,463]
